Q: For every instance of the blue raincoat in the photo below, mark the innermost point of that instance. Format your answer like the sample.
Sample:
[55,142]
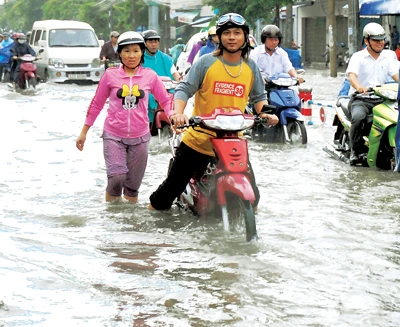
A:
[5,54]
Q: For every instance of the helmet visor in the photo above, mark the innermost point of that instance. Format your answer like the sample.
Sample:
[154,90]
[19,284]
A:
[378,37]
[233,18]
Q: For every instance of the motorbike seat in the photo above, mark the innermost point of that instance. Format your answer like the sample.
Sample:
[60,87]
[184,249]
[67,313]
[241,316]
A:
[343,102]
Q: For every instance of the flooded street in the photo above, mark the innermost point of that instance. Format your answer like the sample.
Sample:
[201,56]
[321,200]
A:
[328,253]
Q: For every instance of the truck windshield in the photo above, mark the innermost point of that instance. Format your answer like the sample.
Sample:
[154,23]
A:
[72,38]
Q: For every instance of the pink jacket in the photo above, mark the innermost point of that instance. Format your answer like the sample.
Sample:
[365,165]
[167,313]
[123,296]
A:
[127,115]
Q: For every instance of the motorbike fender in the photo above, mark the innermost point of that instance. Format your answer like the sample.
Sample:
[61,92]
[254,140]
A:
[232,154]
[375,137]
[290,113]
[29,75]
[238,184]
[160,117]
[392,135]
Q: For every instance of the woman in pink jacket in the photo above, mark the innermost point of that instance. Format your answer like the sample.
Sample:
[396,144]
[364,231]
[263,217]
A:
[126,135]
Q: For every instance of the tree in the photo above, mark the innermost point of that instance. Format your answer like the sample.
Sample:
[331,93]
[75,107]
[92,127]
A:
[252,10]
[20,15]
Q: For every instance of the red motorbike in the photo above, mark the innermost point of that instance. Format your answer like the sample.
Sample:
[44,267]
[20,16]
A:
[224,189]
[27,72]
[161,125]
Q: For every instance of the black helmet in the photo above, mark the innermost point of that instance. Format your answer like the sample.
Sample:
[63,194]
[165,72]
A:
[150,35]
[231,20]
[270,31]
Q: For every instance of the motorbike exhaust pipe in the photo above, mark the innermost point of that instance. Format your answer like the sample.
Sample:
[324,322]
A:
[338,155]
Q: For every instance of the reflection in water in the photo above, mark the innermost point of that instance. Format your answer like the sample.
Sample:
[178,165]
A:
[328,253]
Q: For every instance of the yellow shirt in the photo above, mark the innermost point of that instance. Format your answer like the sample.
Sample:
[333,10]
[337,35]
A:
[218,89]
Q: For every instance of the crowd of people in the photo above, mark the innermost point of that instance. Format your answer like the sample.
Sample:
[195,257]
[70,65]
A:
[227,55]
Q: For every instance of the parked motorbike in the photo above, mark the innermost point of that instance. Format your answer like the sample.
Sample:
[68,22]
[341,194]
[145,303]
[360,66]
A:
[224,188]
[379,130]
[283,95]
[161,125]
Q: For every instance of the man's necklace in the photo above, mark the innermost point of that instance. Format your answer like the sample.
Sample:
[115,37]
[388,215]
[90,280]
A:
[229,73]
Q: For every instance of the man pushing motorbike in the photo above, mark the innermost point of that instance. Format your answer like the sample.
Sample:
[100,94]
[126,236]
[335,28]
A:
[367,68]
[226,78]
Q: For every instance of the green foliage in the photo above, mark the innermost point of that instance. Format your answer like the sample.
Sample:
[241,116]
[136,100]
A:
[252,10]
[19,15]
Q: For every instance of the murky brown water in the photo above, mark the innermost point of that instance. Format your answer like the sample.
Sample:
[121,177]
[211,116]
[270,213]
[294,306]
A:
[328,253]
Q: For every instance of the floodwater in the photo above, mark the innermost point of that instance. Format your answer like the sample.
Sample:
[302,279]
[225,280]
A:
[328,253]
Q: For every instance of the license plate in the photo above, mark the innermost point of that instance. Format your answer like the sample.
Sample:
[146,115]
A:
[77,76]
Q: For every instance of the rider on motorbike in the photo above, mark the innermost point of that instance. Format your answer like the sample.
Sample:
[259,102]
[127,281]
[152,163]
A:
[271,58]
[5,55]
[158,61]
[367,68]
[19,49]
[225,79]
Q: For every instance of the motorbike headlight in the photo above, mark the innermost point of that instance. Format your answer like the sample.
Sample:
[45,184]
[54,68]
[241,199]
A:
[96,63]
[389,94]
[285,81]
[56,62]
[230,123]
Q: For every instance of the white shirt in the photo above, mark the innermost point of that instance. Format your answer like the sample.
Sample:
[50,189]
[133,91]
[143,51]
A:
[371,72]
[278,62]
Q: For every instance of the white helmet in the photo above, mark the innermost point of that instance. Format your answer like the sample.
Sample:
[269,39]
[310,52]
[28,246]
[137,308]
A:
[130,38]
[374,31]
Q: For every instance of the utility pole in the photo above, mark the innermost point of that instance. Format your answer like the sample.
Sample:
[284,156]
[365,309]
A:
[288,26]
[353,26]
[332,37]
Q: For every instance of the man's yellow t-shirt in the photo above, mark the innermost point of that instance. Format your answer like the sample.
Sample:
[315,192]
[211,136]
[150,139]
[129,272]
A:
[218,85]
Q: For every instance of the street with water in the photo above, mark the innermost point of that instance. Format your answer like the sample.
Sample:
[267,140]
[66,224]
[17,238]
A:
[328,252]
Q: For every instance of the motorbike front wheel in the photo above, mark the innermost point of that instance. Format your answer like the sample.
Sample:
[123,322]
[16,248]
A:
[297,132]
[241,217]
[32,82]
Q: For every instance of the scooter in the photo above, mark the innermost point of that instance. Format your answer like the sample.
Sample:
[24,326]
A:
[161,125]
[5,77]
[112,63]
[379,130]
[224,188]
[284,96]
[27,72]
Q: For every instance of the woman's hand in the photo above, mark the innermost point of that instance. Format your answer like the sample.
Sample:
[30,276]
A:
[80,141]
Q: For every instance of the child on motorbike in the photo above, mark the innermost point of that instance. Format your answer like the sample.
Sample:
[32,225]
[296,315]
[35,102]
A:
[126,135]
[210,79]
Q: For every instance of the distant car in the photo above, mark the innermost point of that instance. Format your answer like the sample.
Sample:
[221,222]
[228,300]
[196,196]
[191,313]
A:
[182,65]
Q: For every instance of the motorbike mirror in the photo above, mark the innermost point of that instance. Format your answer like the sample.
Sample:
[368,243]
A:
[300,71]
[40,51]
